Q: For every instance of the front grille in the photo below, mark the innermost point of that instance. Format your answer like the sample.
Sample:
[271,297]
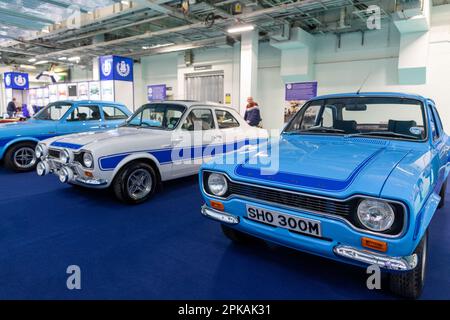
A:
[52,153]
[294,200]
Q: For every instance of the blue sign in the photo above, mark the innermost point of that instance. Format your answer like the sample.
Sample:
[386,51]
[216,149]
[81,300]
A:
[16,80]
[116,68]
[156,92]
[301,91]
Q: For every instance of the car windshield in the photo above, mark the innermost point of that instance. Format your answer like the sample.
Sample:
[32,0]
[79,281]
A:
[157,116]
[54,111]
[392,118]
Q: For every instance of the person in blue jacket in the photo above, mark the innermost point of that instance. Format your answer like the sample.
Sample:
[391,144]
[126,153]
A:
[252,113]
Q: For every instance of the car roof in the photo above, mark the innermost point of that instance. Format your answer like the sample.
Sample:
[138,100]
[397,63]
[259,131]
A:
[92,102]
[190,103]
[372,94]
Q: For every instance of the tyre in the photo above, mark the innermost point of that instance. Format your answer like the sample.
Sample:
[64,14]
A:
[135,183]
[442,195]
[410,284]
[21,157]
[235,235]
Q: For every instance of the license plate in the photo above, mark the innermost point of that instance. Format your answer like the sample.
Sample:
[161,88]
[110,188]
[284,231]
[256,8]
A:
[277,219]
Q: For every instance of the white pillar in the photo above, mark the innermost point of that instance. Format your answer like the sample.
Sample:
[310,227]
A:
[95,66]
[248,68]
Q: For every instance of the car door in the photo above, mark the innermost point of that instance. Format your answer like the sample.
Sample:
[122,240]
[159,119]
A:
[232,133]
[82,118]
[112,116]
[196,136]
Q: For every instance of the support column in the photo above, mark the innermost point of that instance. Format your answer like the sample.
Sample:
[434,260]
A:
[414,42]
[248,68]
[95,67]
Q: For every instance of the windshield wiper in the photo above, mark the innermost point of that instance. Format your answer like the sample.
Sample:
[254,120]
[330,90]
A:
[382,134]
[317,129]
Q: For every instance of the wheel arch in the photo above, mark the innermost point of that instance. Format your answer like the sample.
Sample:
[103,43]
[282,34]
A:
[13,142]
[138,157]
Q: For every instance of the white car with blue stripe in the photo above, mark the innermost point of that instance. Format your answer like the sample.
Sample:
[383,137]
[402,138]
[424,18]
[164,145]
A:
[160,142]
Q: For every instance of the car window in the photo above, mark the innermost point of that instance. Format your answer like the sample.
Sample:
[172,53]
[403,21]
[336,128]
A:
[157,115]
[437,120]
[199,119]
[226,120]
[385,117]
[113,113]
[54,111]
[85,113]
[434,127]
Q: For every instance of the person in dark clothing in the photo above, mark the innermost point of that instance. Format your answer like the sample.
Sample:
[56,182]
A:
[252,113]
[11,109]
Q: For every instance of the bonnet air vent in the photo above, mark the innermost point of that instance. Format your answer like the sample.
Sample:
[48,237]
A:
[367,140]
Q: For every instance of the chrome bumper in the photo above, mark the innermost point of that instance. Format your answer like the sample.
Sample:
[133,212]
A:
[219,215]
[383,261]
[68,173]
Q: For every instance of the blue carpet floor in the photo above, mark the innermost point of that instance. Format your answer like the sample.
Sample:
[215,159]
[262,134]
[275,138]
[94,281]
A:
[163,249]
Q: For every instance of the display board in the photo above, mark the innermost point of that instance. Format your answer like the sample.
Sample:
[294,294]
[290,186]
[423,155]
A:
[156,92]
[94,90]
[300,91]
[16,80]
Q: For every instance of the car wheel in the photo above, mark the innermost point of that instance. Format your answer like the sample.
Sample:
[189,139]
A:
[135,183]
[410,284]
[235,235]
[21,157]
[442,195]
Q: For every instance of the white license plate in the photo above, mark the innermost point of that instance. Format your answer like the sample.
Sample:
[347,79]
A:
[297,224]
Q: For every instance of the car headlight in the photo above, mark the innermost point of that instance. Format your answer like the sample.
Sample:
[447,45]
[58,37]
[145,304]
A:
[41,150]
[376,215]
[217,184]
[88,160]
[66,156]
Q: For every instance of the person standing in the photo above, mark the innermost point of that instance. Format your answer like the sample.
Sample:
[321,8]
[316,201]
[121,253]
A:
[252,113]
[12,108]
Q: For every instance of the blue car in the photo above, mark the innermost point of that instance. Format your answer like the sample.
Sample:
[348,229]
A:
[355,178]
[18,140]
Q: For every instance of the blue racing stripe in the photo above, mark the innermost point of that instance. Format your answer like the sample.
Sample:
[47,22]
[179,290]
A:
[66,145]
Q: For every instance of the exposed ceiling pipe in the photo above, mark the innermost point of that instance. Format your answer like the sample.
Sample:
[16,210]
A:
[242,17]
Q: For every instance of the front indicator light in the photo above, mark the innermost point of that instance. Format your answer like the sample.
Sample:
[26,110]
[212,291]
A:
[217,205]
[374,244]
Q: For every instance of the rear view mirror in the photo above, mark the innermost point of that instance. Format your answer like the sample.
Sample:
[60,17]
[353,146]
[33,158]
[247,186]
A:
[356,107]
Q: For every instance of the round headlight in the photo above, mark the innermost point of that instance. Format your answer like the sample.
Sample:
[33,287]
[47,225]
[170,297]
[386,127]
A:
[65,156]
[376,215]
[41,150]
[88,160]
[217,184]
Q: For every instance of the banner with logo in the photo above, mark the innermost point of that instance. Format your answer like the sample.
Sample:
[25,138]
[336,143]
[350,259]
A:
[116,68]
[156,92]
[16,80]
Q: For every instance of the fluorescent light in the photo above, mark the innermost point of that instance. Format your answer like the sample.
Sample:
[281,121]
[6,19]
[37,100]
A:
[74,59]
[42,62]
[62,58]
[127,3]
[26,66]
[241,28]
[32,60]
[161,45]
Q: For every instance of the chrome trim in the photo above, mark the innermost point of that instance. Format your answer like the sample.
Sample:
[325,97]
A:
[317,213]
[221,216]
[391,263]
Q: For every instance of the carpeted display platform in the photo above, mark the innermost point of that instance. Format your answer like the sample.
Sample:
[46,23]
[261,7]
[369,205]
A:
[163,249]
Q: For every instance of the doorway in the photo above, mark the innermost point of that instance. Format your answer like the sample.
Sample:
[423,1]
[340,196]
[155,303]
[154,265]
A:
[206,86]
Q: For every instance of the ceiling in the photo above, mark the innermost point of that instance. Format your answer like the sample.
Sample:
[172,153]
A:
[32,29]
